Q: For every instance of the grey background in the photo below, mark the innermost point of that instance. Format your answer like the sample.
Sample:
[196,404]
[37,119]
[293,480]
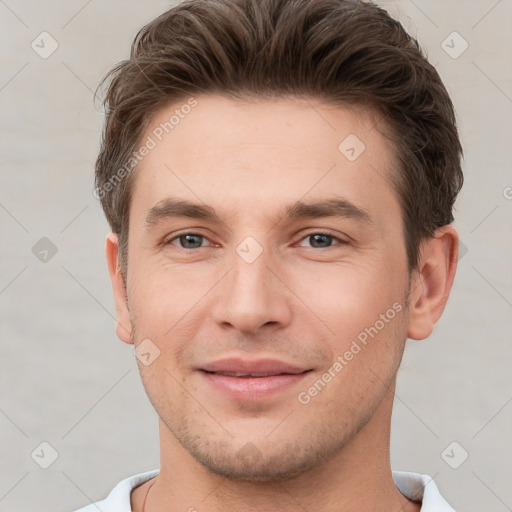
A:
[68,381]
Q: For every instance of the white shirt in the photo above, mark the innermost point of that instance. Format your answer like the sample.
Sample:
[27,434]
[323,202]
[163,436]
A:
[414,486]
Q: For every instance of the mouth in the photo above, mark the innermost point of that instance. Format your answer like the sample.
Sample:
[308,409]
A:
[252,381]
[250,375]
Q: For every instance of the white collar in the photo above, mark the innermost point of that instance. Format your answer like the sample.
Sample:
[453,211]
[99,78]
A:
[412,485]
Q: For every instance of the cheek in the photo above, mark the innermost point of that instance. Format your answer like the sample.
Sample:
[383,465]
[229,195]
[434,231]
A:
[349,298]
[162,295]
[165,303]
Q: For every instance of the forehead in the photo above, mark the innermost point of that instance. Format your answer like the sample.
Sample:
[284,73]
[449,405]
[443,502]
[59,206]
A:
[257,154]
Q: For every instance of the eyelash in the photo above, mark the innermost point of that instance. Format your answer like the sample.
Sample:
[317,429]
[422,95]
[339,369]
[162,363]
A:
[322,233]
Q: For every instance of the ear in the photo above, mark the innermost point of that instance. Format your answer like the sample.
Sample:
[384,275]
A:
[123,328]
[432,281]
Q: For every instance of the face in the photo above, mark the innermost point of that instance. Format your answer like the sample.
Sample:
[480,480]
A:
[272,315]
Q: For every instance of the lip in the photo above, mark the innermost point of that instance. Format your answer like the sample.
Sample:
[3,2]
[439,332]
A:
[238,365]
[252,380]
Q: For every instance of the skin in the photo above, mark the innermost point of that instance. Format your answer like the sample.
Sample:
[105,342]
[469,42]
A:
[302,301]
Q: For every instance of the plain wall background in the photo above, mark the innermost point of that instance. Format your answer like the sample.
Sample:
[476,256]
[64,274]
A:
[65,377]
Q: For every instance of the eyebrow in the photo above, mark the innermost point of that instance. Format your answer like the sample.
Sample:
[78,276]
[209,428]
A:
[173,207]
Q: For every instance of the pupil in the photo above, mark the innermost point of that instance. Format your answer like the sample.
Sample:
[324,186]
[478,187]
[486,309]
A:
[324,237]
[188,238]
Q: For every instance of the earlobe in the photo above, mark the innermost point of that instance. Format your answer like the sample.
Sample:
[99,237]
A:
[123,327]
[432,282]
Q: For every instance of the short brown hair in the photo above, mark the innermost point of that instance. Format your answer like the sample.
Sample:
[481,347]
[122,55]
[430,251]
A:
[340,51]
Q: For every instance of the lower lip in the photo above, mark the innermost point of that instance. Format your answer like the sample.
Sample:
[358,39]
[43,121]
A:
[255,388]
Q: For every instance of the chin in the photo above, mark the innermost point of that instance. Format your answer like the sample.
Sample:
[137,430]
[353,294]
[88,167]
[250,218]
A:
[250,465]
[263,459]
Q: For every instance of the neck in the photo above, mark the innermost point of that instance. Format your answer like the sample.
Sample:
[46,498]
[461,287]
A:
[357,478]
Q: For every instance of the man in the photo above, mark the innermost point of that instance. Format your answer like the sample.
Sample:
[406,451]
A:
[279,178]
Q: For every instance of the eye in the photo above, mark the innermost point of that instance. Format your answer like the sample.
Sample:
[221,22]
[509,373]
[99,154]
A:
[191,241]
[188,241]
[322,240]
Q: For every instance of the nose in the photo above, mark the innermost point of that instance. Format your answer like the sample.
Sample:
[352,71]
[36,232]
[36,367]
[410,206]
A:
[252,295]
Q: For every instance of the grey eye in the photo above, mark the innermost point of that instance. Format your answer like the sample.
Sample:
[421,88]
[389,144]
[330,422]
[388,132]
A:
[189,241]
